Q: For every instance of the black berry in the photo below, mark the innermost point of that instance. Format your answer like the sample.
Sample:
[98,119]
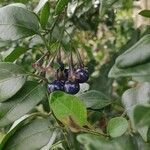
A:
[81,75]
[56,85]
[71,87]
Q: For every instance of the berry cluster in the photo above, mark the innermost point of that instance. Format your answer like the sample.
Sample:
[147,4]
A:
[68,79]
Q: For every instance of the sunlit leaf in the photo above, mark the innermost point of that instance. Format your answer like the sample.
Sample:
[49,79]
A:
[69,109]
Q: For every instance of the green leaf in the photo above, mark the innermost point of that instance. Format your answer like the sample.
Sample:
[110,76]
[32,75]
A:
[16,125]
[17,22]
[60,6]
[133,97]
[93,142]
[40,5]
[32,136]
[117,126]
[136,55]
[95,99]
[141,115]
[20,104]
[45,15]
[145,13]
[12,78]
[68,108]
[18,51]
[137,71]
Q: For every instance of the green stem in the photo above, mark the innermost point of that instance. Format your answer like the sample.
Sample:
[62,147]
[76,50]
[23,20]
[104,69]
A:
[77,52]
[93,132]
[40,77]
[45,42]
[57,143]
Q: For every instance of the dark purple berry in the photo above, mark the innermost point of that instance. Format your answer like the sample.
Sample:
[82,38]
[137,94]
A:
[56,85]
[71,87]
[81,75]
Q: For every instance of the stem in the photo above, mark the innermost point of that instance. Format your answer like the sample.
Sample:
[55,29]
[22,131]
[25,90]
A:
[69,146]
[41,114]
[37,76]
[57,143]
[124,113]
[77,52]
[93,132]
[45,42]
[70,62]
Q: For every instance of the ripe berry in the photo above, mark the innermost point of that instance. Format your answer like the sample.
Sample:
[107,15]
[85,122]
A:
[56,85]
[81,75]
[71,87]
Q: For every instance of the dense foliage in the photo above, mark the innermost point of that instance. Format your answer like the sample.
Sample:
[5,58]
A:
[74,74]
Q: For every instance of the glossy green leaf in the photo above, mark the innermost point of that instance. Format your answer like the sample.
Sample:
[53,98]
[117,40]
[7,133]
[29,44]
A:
[141,115]
[145,13]
[18,51]
[66,107]
[45,15]
[136,55]
[20,104]
[17,22]
[117,126]
[12,78]
[95,99]
[40,5]
[32,136]
[60,6]
[133,97]
[93,142]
